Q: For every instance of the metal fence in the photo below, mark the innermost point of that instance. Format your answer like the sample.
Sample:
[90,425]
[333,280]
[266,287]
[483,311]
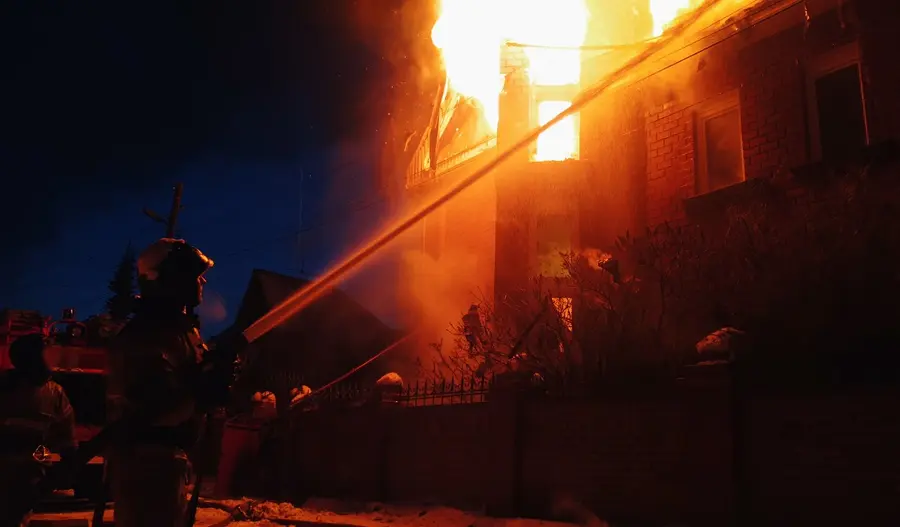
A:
[428,392]
[453,391]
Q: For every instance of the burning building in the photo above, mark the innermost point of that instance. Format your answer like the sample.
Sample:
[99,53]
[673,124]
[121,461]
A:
[758,87]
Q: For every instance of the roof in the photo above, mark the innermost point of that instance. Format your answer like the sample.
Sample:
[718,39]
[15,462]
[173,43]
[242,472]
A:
[334,333]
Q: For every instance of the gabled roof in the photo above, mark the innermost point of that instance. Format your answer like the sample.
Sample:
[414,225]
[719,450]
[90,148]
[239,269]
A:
[267,289]
[335,332]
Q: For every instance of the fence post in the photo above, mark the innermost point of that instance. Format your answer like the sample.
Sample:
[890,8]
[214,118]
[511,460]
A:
[738,389]
[386,415]
[505,446]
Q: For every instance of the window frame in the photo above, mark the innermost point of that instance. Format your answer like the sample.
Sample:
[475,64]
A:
[572,220]
[820,66]
[704,112]
[564,93]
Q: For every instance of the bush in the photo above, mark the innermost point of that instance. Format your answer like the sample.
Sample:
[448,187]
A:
[809,272]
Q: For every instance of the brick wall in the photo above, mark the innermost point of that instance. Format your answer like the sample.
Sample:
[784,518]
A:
[771,92]
[652,458]
[830,457]
[613,142]
[526,192]
[766,67]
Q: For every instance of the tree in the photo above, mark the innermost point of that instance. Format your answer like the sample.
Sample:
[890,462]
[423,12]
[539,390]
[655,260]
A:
[814,284]
[120,304]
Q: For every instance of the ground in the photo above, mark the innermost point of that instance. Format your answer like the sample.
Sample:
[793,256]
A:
[336,514]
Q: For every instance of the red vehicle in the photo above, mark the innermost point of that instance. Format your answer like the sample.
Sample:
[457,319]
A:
[77,355]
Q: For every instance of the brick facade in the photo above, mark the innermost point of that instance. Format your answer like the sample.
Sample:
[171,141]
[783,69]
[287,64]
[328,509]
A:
[763,66]
[641,145]
[769,89]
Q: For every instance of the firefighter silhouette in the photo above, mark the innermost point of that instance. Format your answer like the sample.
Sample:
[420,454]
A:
[473,328]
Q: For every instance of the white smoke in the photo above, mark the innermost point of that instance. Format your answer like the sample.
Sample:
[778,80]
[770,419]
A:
[212,310]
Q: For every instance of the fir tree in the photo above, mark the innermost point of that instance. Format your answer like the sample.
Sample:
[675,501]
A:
[119,305]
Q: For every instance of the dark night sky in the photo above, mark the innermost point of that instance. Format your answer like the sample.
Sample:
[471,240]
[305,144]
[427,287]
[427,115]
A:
[106,105]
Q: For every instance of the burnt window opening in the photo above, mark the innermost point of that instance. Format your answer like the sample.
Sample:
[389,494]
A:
[720,160]
[554,238]
[841,113]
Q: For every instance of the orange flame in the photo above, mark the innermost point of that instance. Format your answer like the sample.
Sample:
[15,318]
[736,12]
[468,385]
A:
[471,35]
[666,11]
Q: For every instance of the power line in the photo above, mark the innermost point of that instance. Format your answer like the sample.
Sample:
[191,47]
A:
[598,47]
[303,297]
[586,97]
[786,6]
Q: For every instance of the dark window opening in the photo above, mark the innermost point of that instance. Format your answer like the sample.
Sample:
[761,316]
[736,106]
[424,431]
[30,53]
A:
[724,151]
[554,237]
[842,121]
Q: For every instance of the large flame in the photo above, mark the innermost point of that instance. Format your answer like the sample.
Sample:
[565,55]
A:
[472,34]
[666,11]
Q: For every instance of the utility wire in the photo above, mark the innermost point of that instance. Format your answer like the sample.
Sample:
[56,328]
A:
[305,296]
[585,97]
[786,7]
[308,294]
[599,47]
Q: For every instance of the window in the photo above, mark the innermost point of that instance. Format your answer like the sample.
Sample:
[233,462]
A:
[560,141]
[838,126]
[720,151]
[554,237]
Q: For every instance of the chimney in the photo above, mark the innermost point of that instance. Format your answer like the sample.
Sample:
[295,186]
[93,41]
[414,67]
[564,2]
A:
[516,117]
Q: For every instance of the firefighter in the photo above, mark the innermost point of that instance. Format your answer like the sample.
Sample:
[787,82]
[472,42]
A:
[473,328]
[35,416]
[156,362]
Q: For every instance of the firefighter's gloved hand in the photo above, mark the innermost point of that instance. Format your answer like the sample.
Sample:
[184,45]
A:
[219,372]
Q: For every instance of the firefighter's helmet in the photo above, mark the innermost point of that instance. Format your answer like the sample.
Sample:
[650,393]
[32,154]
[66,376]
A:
[169,259]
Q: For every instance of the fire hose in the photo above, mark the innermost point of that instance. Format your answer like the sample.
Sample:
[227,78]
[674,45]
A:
[135,425]
[305,296]
[345,376]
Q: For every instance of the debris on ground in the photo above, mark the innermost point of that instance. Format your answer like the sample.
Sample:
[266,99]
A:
[247,512]
[340,513]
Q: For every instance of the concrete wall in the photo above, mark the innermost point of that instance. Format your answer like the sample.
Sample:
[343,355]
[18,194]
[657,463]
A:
[655,458]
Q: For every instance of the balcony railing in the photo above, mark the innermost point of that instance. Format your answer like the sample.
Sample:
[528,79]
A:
[422,172]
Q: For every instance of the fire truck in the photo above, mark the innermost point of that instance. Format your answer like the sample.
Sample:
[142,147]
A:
[77,354]
[72,345]
[76,351]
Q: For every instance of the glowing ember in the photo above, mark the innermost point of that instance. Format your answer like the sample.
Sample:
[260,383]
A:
[471,35]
